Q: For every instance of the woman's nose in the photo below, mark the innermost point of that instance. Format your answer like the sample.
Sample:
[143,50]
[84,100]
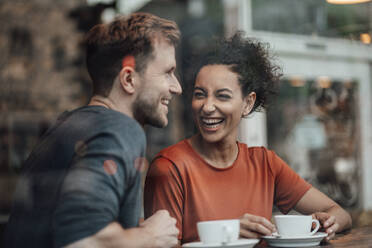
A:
[209,106]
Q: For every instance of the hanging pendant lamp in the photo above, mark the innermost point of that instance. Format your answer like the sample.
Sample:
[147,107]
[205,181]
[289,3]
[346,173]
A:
[347,1]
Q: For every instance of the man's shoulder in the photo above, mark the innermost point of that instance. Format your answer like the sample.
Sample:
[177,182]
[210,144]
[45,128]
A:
[98,119]
[103,115]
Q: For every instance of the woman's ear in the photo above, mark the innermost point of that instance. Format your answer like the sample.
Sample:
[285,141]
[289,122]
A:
[249,101]
[127,79]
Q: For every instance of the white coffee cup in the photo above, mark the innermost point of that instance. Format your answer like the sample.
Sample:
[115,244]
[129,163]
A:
[218,231]
[296,225]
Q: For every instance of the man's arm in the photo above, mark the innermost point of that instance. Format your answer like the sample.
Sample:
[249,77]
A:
[157,231]
[99,201]
[332,217]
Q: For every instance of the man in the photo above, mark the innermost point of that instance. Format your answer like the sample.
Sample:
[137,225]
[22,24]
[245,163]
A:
[80,186]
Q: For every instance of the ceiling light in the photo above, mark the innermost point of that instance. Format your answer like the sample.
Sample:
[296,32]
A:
[347,1]
[365,38]
[297,81]
[323,82]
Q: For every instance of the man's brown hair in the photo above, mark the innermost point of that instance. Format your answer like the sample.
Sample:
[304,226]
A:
[108,44]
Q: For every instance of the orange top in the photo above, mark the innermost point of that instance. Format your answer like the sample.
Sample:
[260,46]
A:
[180,181]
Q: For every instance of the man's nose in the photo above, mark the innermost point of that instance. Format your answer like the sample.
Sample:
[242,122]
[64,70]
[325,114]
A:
[176,87]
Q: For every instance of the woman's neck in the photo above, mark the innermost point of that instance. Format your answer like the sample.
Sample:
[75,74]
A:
[220,154]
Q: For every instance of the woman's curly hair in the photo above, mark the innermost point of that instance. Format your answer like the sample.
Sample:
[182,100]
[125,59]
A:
[250,59]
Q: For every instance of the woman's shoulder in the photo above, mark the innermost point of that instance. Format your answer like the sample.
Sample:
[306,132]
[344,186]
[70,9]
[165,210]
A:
[255,151]
[182,147]
[258,154]
[175,157]
[265,158]
[176,153]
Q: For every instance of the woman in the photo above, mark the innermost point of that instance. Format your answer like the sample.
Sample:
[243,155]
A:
[213,176]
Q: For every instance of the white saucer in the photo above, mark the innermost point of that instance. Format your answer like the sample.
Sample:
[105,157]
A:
[300,241]
[240,243]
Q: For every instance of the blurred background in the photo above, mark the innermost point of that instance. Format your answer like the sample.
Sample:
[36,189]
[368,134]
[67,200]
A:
[320,123]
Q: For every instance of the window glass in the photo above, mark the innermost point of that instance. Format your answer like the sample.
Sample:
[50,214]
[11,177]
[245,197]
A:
[314,127]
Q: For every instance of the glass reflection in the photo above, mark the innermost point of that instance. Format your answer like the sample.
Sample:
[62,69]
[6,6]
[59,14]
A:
[314,126]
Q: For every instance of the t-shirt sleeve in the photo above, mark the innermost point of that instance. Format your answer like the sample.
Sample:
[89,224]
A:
[289,186]
[164,190]
[91,192]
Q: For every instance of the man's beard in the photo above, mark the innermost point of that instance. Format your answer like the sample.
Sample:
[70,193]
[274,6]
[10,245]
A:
[146,112]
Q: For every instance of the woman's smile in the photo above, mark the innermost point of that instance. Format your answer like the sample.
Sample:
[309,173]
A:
[211,124]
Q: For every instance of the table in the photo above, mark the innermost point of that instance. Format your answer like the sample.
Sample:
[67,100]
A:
[357,237]
[360,237]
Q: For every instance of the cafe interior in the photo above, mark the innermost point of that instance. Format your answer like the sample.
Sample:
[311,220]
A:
[319,123]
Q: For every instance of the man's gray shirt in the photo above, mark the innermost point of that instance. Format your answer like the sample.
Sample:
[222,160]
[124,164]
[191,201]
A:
[81,176]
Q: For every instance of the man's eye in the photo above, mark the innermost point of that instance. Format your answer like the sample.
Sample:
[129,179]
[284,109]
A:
[171,72]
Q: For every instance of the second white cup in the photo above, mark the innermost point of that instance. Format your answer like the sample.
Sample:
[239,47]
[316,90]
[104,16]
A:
[218,231]
[296,225]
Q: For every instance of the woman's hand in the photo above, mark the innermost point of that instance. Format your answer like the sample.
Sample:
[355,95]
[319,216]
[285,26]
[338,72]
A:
[331,216]
[328,223]
[253,226]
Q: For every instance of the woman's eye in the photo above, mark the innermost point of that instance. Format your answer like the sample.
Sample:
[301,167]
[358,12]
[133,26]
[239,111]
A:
[198,94]
[223,96]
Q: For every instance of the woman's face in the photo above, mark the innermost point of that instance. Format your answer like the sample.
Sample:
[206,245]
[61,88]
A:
[218,103]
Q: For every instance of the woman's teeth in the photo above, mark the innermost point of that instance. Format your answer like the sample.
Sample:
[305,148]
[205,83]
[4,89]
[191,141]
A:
[211,123]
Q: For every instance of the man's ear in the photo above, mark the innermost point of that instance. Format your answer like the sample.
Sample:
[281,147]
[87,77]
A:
[249,101]
[127,79]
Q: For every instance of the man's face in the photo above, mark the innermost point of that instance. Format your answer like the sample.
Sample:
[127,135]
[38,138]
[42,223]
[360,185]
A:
[157,87]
